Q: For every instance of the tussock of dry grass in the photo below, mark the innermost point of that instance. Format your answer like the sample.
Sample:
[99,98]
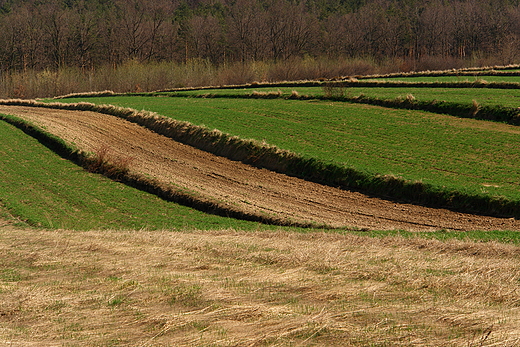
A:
[267,95]
[232,288]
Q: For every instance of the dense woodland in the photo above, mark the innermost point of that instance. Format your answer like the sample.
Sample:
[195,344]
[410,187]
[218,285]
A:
[50,47]
[89,33]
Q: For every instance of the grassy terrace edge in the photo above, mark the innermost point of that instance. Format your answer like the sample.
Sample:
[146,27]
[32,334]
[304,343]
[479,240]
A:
[270,157]
[111,170]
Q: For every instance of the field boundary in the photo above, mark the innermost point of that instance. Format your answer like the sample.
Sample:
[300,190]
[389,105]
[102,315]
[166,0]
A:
[270,157]
[470,71]
[346,82]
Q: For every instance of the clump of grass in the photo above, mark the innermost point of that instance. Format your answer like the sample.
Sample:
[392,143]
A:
[186,295]
[481,81]
[105,162]
[294,95]
[407,100]
[475,108]
[267,95]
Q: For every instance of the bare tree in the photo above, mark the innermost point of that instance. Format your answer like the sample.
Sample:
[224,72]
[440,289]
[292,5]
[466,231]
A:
[289,29]
[86,37]
[368,29]
[18,44]
[55,23]
[88,33]
[510,50]
[138,26]
[247,30]
[437,26]
[207,38]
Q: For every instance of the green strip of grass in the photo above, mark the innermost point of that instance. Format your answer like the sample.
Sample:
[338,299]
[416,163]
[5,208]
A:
[451,79]
[503,236]
[465,96]
[485,97]
[42,189]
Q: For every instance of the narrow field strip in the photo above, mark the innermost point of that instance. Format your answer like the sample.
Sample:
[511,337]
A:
[248,189]
[496,105]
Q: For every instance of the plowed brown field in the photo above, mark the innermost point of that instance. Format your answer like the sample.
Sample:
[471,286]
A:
[252,190]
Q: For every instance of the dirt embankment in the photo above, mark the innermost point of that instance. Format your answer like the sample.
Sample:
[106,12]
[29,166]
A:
[252,190]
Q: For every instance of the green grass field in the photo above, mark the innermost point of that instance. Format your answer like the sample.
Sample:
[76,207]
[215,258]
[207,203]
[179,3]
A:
[473,156]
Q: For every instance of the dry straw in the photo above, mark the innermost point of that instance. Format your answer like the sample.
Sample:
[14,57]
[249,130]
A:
[232,288]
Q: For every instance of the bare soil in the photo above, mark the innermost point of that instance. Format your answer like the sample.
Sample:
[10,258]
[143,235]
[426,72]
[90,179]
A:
[252,190]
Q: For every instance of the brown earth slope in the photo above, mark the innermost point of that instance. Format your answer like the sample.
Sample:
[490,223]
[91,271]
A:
[252,190]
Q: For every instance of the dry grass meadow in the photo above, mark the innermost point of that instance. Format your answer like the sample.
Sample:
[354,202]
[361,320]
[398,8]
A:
[232,288]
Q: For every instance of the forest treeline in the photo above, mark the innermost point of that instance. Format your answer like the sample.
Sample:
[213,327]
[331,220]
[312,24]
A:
[55,47]
[49,34]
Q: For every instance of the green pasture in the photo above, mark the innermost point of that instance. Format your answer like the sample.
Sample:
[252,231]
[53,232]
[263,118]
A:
[471,156]
[41,189]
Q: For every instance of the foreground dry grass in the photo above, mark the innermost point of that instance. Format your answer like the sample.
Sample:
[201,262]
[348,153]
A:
[229,288]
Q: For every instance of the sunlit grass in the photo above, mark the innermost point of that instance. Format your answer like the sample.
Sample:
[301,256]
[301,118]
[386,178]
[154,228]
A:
[452,78]
[229,288]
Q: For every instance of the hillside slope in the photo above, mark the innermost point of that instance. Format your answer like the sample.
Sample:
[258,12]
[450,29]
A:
[239,186]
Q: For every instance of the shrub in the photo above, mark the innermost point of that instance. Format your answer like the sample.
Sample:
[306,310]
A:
[334,90]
